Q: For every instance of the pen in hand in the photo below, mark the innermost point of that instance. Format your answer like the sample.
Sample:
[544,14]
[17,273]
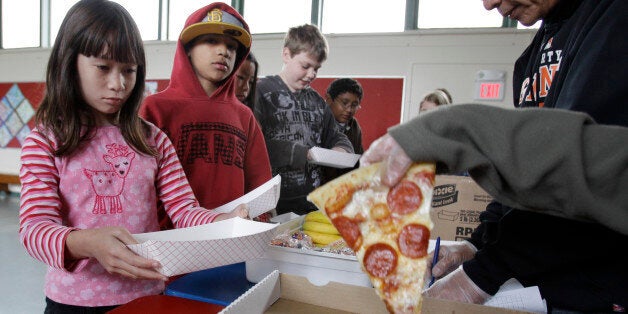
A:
[434,260]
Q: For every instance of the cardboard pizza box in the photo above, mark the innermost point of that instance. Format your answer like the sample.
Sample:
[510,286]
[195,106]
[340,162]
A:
[283,293]
[318,267]
[457,202]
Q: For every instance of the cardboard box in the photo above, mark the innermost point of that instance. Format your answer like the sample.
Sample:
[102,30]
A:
[318,267]
[283,293]
[457,202]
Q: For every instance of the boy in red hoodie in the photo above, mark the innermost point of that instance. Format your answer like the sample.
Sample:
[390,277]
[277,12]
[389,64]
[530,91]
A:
[218,141]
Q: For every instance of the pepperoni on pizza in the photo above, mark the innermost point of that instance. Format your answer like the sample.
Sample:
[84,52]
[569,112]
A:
[388,228]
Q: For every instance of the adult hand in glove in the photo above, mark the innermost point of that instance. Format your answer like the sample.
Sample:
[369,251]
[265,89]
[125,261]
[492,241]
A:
[395,160]
[450,257]
[457,286]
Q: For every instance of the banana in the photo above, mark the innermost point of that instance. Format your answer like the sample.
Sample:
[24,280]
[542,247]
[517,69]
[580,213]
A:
[317,216]
[320,227]
[322,238]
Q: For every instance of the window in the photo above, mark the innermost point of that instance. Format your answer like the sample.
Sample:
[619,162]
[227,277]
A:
[58,9]
[146,16]
[363,16]
[22,21]
[179,11]
[20,29]
[276,16]
[145,13]
[456,14]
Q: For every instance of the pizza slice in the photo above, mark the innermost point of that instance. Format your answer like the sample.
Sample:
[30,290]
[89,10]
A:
[388,228]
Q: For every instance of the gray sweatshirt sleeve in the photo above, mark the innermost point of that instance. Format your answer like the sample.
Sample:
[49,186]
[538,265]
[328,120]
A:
[550,160]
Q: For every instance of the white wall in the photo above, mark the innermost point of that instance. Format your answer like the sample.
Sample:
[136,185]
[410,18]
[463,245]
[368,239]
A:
[426,59]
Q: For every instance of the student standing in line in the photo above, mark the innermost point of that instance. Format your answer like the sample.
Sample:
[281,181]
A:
[246,81]
[217,138]
[93,172]
[295,118]
[434,99]
[575,62]
[344,97]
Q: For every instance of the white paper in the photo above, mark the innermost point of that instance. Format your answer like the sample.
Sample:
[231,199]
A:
[262,199]
[332,158]
[512,295]
[216,244]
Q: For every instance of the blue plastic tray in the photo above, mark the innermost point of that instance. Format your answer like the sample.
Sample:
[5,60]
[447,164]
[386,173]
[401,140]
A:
[220,285]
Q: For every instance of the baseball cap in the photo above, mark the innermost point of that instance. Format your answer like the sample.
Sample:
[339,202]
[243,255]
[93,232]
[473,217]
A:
[218,22]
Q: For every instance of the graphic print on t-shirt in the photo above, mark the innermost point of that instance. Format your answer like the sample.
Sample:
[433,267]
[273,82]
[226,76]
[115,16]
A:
[297,118]
[108,184]
[212,143]
[534,89]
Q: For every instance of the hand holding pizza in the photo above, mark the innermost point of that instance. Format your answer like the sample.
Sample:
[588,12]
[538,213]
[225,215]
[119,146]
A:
[395,161]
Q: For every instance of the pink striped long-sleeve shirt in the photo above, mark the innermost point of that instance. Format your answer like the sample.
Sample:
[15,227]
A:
[103,183]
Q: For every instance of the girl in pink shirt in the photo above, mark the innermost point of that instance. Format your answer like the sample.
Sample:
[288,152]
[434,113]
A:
[93,172]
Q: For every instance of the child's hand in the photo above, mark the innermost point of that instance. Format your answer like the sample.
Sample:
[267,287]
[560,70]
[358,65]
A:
[109,246]
[241,211]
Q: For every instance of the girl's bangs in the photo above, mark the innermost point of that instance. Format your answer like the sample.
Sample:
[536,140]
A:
[109,42]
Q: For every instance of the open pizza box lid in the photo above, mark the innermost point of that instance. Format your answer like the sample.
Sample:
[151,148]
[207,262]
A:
[216,244]
[283,293]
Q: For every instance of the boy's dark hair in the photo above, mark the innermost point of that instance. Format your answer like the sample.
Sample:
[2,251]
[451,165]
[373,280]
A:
[94,28]
[250,98]
[306,38]
[343,85]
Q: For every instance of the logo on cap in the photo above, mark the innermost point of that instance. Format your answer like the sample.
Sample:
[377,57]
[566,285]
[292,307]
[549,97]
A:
[214,15]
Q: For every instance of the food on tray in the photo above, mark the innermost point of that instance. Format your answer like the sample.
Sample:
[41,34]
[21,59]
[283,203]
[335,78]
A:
[320,229]
[388,228]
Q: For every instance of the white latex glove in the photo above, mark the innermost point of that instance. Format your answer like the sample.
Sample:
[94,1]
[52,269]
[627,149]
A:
[395,160]
[457,286]
[450,257]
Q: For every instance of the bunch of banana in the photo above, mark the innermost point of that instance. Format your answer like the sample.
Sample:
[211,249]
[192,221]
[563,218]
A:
[319,228]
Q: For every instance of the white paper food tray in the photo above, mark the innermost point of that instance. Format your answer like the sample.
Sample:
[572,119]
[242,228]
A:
[332,158]
[260,200]
[216,244]
[318,267]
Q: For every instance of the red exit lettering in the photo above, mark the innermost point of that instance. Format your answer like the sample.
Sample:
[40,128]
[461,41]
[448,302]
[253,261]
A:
[489,90]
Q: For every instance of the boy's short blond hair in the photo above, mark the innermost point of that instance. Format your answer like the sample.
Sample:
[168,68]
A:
[306,38]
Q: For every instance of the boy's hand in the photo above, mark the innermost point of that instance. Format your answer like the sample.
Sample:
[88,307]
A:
[109,246]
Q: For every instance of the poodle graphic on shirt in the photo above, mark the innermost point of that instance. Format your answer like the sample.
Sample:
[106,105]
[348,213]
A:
[108,184]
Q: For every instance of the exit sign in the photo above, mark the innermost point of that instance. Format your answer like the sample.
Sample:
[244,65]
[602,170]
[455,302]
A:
[490,91]
[490,85]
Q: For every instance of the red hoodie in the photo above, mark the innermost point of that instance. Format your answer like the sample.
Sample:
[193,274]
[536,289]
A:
[218,140]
